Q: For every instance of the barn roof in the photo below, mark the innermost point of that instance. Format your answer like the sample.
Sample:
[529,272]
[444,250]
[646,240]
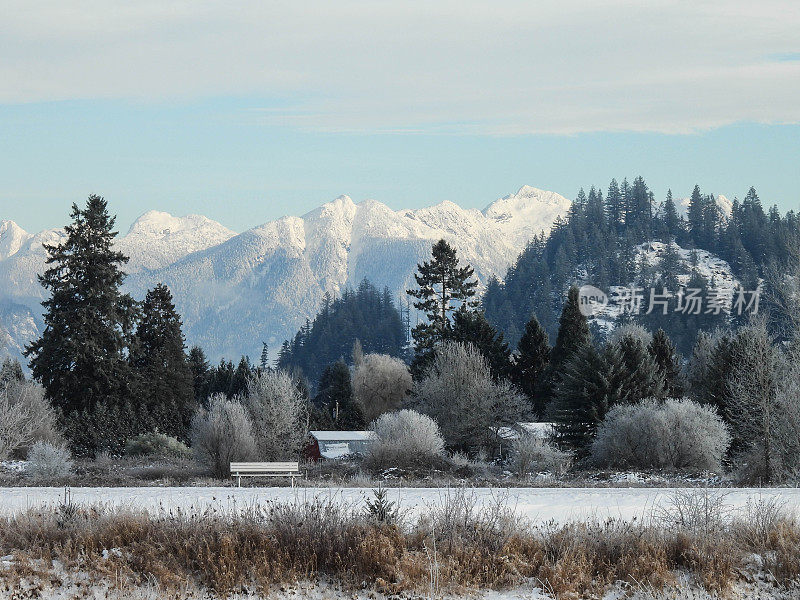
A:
[343,436]
[538,430]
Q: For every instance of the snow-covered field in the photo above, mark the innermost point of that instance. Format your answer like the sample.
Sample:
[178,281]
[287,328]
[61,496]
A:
[559,505]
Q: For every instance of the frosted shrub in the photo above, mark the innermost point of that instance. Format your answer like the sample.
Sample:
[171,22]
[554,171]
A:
[380,384]
[404,439]
[48,462]
[25,417]
[632,331]
[222,434]
[277,411]
[675,434]
[156,444]
[531,454]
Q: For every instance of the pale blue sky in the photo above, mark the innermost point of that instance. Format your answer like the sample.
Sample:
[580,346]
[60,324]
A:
[245,114]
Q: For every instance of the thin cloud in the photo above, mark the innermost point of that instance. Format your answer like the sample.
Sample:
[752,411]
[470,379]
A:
[505,68]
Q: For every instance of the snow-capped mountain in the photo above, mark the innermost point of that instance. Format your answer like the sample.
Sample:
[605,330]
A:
[158,239]
[235,291]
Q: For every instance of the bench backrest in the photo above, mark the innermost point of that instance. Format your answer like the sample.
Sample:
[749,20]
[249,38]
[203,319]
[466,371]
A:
[265,467]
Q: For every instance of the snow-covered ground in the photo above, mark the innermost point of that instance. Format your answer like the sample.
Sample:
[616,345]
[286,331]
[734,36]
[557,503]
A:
[559,505]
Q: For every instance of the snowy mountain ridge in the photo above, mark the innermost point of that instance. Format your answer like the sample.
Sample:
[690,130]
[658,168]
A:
[236,290]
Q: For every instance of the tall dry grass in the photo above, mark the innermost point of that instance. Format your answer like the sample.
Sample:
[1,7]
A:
[454,545]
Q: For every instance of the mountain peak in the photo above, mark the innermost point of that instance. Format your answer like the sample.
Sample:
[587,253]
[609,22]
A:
[527,213]
[12,236]
[158,238]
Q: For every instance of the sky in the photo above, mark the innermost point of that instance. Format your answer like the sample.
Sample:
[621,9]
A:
[249,111]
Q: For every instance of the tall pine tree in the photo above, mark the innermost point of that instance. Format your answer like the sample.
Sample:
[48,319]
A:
[81,356]
[444,287]
[158,355]
[530,362]
[573,337]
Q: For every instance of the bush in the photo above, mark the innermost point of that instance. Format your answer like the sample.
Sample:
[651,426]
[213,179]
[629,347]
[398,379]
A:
[531,454]
[404,439]
[156,444]
[222,434]
[47,462]
[675,434]
[276,408]
[380,384]
[25,417]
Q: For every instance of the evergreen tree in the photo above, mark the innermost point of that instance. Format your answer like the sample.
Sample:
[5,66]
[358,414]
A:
[671,219]
[573,337]
[644,379]
[264,360]
[573,331]
[615,208]
[81,356]
[581,399]
[668,363]
[444,287]
[473,328]
[335,398]
[530,362]
[221,379]
[166,381]
[200,368]
[695,216]
[10,371]
[243,373]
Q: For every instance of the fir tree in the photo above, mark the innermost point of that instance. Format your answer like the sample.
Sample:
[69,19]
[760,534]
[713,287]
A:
[244,370]
[671,219]
[581,399]
[644,379]
[668,363]
[530,362]
[444,287]
[10,371]
[335,397]
[573,337]
[200,368]
[615,209]
[473,328]
[167,384]
[263,362]
[573,331]
[81,356]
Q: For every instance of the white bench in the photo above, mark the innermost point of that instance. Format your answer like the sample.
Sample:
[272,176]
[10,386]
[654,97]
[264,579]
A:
[265,469]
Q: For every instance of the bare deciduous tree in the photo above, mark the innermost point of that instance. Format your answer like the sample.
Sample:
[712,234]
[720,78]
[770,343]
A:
[277,412]
[25,417]
[467,403]
[222,434]
[763,405]
[380,384]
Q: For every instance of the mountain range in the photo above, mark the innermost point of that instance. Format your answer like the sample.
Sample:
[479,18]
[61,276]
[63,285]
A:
[236,290]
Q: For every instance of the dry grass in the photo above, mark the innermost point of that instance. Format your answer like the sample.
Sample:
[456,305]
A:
[454,545]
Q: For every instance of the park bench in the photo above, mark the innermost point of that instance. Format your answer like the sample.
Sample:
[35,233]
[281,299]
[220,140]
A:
[265,469]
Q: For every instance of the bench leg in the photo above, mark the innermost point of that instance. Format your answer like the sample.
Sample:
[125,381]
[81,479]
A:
[240,480]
